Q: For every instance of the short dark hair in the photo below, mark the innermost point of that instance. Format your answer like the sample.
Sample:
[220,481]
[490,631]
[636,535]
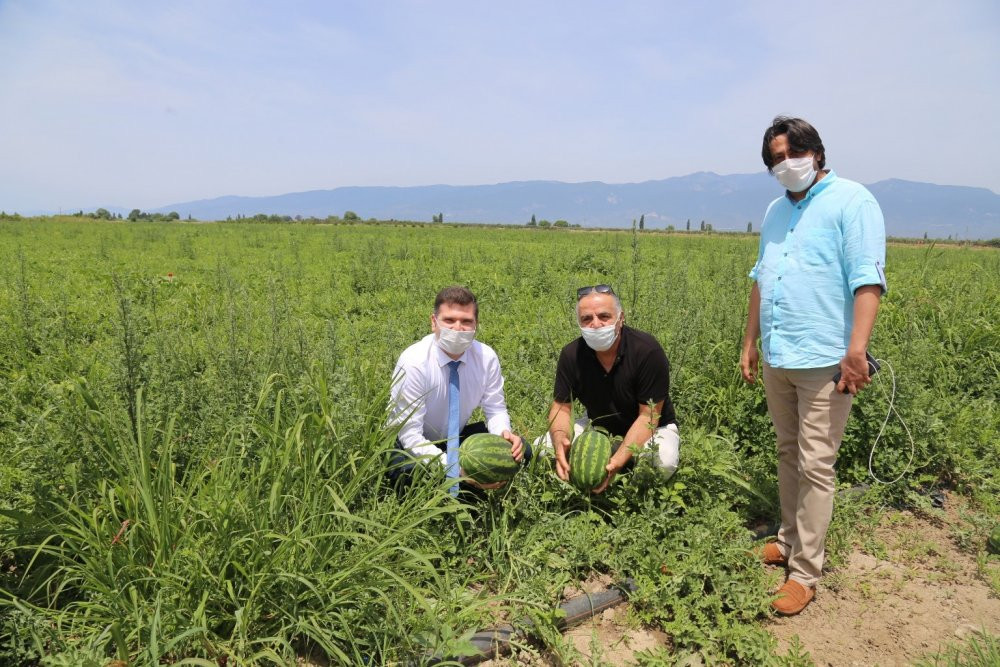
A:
[801,137]
[457,295]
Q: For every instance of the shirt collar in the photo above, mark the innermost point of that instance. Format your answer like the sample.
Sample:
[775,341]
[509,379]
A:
[621,344]
[830,177]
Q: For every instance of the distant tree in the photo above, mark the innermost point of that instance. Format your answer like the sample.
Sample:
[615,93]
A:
[134,214]
[102,213]
[189,217]
[670,228]
[544,223]
[351,216]
[702,225]
[642,222]
[925,236]
[689,225]
[750,227]
[533,223]
[173,215]
[708,227]
[560,223]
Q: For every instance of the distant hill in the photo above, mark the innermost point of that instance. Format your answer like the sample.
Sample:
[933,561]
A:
[727,202]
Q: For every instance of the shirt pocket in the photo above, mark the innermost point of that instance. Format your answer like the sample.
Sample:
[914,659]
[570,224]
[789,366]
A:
[819,247]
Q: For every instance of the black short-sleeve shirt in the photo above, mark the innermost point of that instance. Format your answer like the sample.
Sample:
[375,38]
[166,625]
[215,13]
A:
[640,373]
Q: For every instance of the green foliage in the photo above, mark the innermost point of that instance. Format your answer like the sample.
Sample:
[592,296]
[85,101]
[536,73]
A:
[192,441]
[979,650]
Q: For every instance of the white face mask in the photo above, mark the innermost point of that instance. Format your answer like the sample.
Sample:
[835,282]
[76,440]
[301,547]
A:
[454,342]
[795,173]
[601,338]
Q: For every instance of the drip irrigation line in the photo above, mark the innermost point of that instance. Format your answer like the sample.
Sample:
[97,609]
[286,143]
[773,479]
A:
[497,641]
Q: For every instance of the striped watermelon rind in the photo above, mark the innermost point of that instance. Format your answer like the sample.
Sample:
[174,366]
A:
[993,542]
[588,459]
[486,458]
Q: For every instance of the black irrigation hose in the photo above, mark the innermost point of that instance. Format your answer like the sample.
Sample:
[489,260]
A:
[496,641]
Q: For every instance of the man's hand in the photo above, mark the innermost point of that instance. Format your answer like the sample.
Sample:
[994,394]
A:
[749,356]
[612,469]
[853,372]
[561,445]
[749,360]
[516,445]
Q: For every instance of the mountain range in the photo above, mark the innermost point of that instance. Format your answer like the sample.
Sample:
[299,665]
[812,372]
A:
[727,202]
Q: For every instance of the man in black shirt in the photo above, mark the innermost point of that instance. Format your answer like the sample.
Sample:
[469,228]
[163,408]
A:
[622,378]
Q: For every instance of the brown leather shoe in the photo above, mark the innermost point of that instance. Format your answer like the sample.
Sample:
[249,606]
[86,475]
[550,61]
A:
[793,598]
[771,555]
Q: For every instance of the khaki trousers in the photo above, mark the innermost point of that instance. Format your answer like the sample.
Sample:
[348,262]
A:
[809,417]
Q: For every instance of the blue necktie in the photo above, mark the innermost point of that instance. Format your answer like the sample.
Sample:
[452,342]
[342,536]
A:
[453,425]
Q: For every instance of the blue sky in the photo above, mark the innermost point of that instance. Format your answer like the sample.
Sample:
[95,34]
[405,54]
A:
[142,104]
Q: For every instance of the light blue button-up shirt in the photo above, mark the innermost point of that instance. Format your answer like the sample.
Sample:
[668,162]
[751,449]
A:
[814,254]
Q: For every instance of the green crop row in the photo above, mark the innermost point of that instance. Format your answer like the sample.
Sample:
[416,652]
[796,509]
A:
[192,438]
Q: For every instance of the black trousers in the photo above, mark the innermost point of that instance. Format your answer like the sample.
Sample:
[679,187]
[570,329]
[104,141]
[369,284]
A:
[402,463]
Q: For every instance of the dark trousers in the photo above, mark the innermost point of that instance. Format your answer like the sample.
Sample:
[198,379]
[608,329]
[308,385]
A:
[402,466]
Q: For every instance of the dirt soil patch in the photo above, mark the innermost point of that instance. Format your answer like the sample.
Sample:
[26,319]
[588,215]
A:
[906,591]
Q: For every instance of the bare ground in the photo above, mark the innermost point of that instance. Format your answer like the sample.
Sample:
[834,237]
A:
[907,591]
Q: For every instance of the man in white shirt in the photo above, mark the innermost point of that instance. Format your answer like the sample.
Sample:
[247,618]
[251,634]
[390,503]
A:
[439,381]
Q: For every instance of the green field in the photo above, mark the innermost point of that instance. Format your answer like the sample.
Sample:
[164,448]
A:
[222,389]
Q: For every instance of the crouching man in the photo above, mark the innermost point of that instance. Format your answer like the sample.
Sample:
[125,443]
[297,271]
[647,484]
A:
[439,381]
[622,377]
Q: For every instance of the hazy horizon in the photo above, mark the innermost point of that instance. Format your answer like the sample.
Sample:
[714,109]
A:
[136,105]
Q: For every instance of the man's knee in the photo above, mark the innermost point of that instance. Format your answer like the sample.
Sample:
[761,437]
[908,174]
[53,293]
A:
[819,471]
[542,445]
[667,445]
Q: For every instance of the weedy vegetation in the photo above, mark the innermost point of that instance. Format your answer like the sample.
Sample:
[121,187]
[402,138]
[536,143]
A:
[193,440]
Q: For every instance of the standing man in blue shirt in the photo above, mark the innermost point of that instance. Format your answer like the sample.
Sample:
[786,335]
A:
[818,281]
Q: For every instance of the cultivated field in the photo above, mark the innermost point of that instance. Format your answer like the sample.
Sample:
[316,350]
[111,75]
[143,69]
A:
[191,444]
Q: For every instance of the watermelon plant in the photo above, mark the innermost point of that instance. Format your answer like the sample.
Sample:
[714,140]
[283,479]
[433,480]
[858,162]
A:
[193,438]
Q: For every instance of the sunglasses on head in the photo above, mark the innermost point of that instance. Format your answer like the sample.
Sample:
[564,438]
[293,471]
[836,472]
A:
[600,289]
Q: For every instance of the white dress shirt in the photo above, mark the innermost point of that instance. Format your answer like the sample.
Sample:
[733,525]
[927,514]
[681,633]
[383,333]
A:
[420,393]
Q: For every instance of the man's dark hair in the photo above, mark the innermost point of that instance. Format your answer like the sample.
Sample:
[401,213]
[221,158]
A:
[457,295]
[801,137]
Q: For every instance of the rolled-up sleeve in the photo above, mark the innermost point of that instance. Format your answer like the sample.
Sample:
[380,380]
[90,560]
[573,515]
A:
[494,404]
[864,243]
[408,409]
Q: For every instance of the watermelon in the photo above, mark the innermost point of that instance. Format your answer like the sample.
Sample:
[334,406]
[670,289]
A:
[993,543]
[588,457]
[486,458]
